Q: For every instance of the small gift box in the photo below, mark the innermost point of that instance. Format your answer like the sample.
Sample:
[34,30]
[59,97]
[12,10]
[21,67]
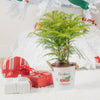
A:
[40,78]
[18,85]
[12,64]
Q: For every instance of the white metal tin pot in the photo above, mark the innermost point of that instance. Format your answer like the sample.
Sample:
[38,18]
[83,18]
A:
[64,77]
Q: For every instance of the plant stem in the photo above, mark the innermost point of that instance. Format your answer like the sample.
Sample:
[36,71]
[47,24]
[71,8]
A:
[68,52]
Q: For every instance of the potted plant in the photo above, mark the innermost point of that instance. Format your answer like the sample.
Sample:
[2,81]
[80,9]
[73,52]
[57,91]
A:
[57,33]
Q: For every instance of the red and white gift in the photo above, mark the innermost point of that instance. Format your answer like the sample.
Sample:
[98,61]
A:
[11,64]
[40,78]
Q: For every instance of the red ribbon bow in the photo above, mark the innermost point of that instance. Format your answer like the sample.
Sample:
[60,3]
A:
[20,70]
[97,58]
[40,73]
[23,70]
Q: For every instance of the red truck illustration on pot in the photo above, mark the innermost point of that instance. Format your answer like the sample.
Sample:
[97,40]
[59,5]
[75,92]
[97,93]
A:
[67,79]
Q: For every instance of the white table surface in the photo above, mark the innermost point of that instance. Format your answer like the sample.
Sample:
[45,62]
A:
[87,87]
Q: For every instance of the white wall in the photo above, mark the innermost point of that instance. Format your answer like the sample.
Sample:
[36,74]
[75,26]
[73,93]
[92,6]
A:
[11,28]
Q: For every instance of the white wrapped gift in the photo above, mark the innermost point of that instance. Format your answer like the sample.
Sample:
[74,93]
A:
[18,85]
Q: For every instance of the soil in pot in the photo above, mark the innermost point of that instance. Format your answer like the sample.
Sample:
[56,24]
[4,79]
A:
[62,64]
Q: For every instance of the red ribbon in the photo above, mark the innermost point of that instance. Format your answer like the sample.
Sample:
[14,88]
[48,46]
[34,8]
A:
[97,58]
[40,73]
[19,70]
[23,67]
[89,20]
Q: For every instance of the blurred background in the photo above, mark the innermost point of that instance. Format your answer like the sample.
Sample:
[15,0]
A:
[11,28]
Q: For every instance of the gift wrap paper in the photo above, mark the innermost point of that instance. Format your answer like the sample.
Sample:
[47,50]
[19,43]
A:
[16,85]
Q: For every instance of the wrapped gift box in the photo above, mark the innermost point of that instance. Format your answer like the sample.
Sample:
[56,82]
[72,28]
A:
[18,85]
[11,64]
[40,79]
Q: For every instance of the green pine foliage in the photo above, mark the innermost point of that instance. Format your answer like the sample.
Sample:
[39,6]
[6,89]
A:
[58,32]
